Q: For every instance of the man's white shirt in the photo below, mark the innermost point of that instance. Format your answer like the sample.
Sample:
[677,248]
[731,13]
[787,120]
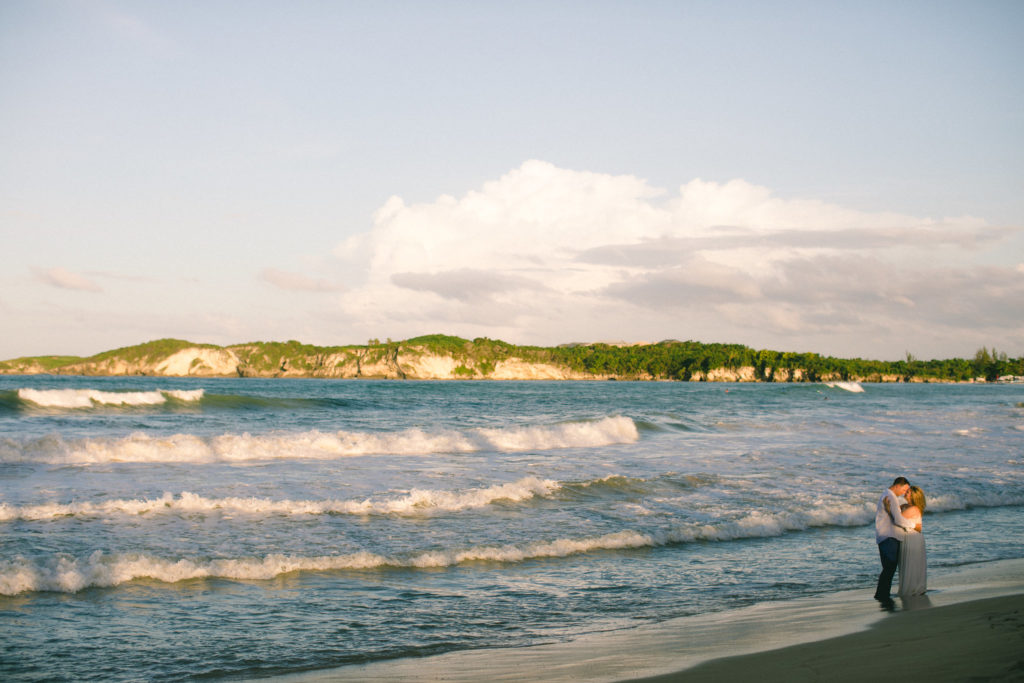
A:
[895,526]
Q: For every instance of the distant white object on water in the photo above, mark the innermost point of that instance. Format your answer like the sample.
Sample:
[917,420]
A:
[854,387]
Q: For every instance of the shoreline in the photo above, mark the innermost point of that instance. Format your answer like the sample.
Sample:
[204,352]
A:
[792,640]
[436,356]
[977,640]
[525,377]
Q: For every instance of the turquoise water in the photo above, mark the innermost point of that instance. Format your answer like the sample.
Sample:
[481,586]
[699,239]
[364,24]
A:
[167,529]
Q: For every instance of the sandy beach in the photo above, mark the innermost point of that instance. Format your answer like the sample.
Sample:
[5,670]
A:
[968,627]
[981,640]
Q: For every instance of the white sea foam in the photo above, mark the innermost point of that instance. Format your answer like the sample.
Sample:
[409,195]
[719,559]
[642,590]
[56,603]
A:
[89,398]
[760,524]
[141,447]
[416,502]
[971,499]
[67,574]
[64,573]
[557,548]
[853,387]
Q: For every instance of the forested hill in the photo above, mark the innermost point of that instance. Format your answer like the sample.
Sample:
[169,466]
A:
[447,357]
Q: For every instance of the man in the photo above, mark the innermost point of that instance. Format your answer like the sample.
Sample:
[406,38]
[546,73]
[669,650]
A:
[890,529]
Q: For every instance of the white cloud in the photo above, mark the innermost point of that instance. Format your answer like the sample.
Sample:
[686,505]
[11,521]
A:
[297,282]
[65,279]
[465,284]
[550,255]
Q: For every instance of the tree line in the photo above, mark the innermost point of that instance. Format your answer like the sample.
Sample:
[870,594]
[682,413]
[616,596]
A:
[670,359]
[683,360]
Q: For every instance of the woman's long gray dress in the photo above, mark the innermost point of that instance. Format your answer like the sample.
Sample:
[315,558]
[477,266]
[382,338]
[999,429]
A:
[913,565]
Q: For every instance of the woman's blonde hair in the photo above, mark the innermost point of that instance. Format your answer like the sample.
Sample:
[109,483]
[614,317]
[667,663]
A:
[916,498]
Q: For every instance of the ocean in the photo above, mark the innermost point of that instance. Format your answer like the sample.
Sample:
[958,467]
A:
[178,528]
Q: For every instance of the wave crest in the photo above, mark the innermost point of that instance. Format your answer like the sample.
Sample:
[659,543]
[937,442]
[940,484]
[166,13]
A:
[90,398]
[189,448]
[416,502]
[66,574]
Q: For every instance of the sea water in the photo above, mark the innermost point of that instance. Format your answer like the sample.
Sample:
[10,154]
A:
[168,529]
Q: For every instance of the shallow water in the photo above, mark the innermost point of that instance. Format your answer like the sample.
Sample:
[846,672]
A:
[175,528]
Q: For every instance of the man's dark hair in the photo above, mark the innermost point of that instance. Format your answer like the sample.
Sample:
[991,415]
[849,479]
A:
[900,481]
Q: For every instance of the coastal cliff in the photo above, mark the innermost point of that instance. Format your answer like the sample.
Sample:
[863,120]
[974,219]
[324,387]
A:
[175,358]
[446,357]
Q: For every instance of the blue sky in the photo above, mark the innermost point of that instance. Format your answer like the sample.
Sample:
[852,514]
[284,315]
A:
[846,178]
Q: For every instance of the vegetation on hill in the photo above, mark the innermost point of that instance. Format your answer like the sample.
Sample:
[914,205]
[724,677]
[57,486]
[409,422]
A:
[268,357]
[153,351]
[44,362]
[671,360]
[682,360]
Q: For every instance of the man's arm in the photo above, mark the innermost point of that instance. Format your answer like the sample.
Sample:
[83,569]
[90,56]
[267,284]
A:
[897,515]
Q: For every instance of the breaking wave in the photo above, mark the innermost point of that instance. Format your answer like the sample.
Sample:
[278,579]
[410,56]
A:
[55,400]
[64,573]
[966,500]
[416,502]
[90,398]
[189,448]
[69,574]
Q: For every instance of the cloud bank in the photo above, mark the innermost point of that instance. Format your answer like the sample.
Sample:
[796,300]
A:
[548,255]
[65,279]
[296,281]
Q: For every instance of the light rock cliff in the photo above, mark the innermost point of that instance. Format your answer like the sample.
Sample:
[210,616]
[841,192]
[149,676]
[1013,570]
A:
[390,361]
[198,363]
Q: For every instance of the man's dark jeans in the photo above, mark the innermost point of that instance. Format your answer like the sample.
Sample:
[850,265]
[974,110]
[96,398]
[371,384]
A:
[889,552]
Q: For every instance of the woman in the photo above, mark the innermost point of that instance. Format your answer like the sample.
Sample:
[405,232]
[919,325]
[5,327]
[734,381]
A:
[913,563]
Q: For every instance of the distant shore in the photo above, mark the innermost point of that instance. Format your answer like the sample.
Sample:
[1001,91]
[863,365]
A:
[448,358]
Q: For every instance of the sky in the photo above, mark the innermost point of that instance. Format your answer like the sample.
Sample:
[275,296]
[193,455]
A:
[845,178]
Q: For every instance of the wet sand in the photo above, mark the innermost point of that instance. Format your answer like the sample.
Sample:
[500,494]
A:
[981,640]
[968,627]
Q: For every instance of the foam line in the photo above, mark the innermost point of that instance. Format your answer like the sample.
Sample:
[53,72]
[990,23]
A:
[416,502]
[189,448]
[89,398]
[64,573]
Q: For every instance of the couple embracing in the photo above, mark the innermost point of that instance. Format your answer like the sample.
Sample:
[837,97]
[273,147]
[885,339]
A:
[900,541]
